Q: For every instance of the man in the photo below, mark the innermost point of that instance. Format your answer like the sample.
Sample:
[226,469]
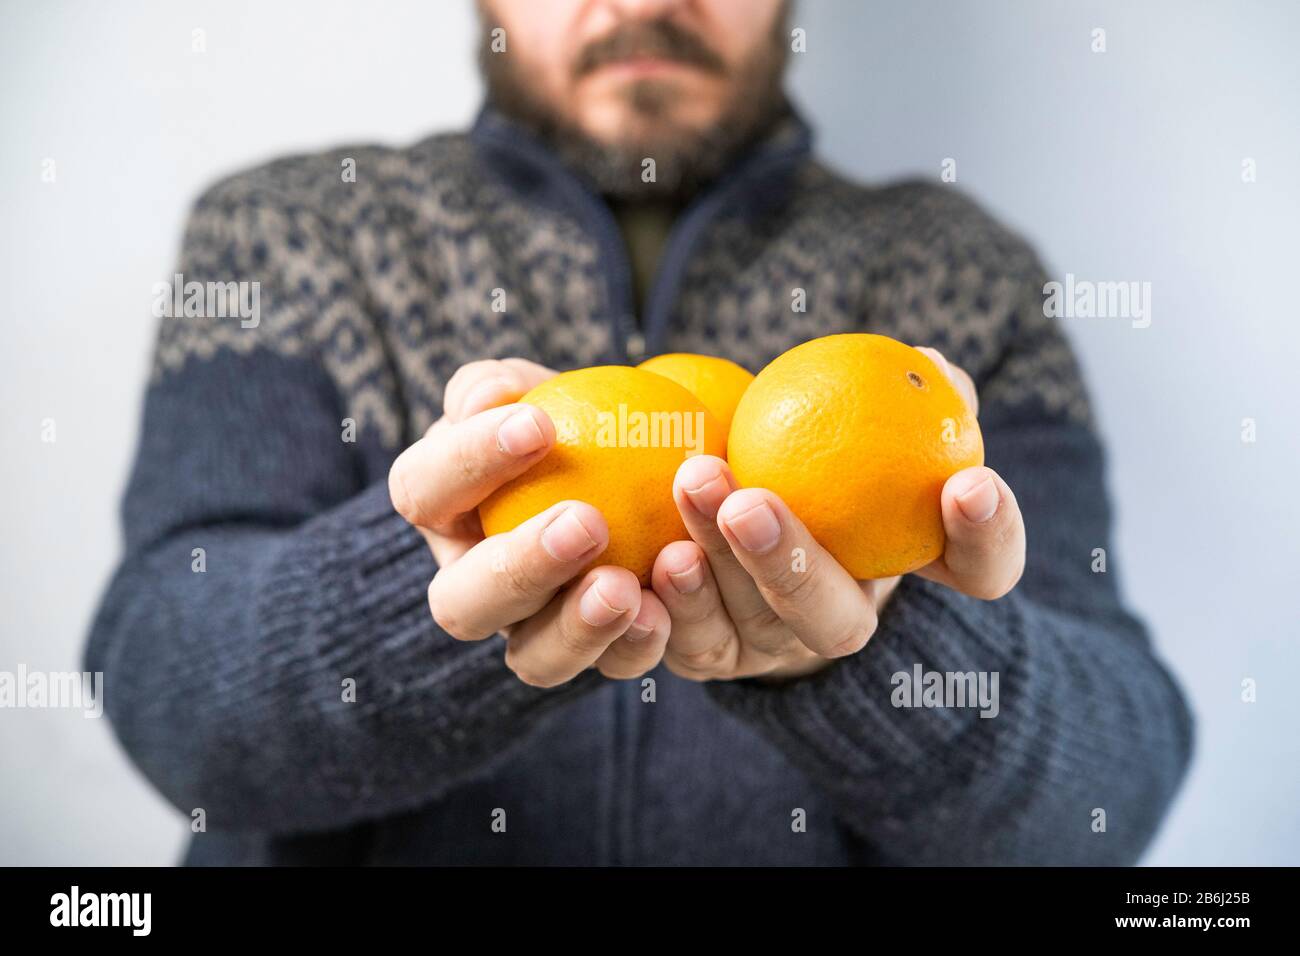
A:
[334,680]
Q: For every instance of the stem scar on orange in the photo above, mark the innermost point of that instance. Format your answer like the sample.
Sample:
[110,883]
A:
[857,434]
[621,434]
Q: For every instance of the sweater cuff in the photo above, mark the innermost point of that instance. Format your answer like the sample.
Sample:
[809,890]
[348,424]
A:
[357,568]
[866,713]
[367,573]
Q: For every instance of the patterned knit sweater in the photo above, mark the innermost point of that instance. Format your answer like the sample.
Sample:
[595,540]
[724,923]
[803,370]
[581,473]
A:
[288,680]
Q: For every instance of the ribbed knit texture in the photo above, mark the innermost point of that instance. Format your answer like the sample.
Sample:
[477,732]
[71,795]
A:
[294,687]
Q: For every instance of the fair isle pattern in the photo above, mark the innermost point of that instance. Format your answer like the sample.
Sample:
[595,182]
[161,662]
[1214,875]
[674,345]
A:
[389,282]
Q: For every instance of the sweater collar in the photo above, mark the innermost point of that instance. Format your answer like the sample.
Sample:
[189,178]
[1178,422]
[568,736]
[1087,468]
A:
[529,166]
[756,181]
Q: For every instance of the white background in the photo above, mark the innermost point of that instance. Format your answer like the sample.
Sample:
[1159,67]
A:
[1123,165]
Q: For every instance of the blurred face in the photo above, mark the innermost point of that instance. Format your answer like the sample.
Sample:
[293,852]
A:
[610,82]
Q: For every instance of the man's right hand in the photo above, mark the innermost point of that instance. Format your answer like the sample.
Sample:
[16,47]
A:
[520,584]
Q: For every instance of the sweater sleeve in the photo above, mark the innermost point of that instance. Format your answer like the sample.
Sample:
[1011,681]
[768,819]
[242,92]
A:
[267,649]
[1090,737]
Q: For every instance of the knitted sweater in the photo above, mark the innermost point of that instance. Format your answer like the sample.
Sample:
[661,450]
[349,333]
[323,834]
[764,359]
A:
[288,680]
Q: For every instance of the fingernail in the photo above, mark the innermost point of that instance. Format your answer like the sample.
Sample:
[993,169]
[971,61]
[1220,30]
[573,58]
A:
[757,529]
[519,434]
[980,503]
[708,497]
[567,538]
[688,581]
[638,631]
[595,610]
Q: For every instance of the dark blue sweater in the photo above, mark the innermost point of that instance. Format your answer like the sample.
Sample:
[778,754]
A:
[229,686]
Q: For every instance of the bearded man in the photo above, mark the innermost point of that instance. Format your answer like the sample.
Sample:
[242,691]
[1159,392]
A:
[356,676]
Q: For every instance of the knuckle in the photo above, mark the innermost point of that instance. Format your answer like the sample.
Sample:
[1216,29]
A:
[853,641]
[535,679]
[516,575]
[691,613]
[515,370]
[697,677]
[1017,573]
[992,542]
[471,372]
[443,614]
[403,504]
[528,674]
[452,383]
[980,551]
[620,670]
[532,678]
[457,383]
[712,660]
[579,640]
[996,588]
[467,463]
[716,549]
[440,425]
[787,584]
[465,378]
[759,621]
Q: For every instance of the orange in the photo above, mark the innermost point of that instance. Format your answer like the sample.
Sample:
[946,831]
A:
[716,382]
[857,434]
[621,434]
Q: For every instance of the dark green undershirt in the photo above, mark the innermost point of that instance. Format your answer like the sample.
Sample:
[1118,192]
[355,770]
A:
[645,227]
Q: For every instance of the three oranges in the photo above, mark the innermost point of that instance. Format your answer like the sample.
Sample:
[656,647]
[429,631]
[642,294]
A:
[857,433]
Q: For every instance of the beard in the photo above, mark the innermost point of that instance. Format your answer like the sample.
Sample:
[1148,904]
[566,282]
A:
[685,159]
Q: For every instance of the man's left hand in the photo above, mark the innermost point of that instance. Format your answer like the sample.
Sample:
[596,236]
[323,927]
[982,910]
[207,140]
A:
[740,608]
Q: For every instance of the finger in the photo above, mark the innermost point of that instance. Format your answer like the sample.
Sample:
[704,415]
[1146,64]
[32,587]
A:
[575,628]
[452,539]
[477,386]
[701,486]
[704,643]
[452,469]
[957,375]
[642,646]
[450,547]
[511,576]
[985,553]
[807,588]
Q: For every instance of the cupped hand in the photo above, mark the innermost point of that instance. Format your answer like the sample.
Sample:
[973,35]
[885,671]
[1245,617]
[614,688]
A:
[752,594]
[526,584]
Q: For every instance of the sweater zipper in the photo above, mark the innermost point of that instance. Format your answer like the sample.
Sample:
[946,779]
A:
[628,346]
[625,699]
[626,696]
[686,232]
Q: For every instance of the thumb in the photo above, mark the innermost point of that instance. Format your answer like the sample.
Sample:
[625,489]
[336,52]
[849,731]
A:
[985,554]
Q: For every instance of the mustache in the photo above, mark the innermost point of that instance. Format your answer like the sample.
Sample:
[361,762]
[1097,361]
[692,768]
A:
[662,39]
